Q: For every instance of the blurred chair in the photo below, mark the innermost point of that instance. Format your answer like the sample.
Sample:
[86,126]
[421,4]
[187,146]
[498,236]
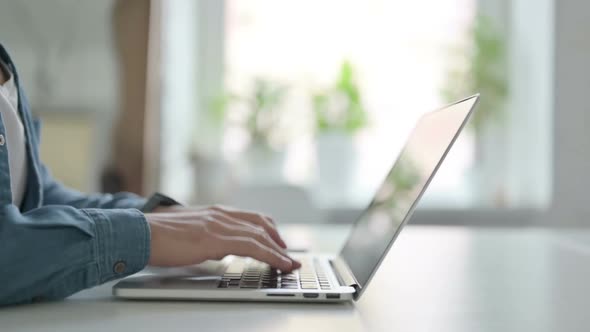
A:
[285,203]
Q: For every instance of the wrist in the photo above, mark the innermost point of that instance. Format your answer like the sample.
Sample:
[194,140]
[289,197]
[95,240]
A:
[156,234]
[171,208]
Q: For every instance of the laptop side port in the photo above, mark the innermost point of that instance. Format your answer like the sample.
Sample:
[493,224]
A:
[279,294]
[332,296]
[311,295]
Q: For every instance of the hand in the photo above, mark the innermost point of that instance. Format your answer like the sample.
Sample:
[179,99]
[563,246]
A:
[185,236]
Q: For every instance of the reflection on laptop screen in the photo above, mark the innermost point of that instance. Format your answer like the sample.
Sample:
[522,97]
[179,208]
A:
[378,226]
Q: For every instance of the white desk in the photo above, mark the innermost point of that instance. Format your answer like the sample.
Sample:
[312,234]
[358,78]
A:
[435,279]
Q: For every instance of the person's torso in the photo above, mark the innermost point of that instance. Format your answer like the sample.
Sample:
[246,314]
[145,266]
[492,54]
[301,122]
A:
[14,139]
[29,170]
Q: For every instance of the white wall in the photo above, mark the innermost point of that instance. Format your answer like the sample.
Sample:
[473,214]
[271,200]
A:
[64,53]
[572,113]
[67,42]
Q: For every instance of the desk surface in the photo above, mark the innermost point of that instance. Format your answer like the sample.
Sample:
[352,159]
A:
[434,279]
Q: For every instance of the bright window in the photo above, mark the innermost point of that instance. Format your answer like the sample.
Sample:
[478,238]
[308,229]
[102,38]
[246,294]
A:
[399,53]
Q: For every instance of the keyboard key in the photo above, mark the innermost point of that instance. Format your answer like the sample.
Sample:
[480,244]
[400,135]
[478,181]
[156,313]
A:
[250,278]
[249,274]
[249,286]
[309,287]
[250,282]
[308,283]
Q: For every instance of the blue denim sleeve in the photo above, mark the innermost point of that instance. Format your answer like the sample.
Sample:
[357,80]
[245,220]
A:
[54,193]
[54,251]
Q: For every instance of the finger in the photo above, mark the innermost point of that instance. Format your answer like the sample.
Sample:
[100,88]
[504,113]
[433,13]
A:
[242,229]
[257,219]
[249,247]
[252,214]
[252,226]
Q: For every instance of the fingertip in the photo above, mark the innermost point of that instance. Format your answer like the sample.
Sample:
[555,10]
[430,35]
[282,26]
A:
[296,264]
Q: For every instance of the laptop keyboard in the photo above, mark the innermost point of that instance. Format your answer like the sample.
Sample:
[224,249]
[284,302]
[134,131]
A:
[251,274]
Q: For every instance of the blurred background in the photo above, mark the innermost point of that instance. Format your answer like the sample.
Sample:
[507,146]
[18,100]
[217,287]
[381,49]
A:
[300,108]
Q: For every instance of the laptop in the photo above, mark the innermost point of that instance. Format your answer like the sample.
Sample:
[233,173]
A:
[322,278]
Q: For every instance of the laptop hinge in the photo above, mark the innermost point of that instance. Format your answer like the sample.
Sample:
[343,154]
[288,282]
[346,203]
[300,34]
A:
[344,274]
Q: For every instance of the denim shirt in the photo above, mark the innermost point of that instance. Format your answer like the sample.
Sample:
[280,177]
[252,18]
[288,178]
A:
[60,241]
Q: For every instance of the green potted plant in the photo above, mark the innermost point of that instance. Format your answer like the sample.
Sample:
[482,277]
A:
[265,156]
[259,115]
[264,114]
[480,66]
[213,175]
[340,114]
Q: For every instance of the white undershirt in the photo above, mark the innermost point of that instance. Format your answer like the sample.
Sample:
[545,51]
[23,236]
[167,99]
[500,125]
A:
[15,138]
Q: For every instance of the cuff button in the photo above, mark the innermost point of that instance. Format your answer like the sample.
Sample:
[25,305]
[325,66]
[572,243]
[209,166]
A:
[119,267]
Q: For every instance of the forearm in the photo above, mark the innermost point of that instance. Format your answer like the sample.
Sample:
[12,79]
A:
[54,193]
[55,251]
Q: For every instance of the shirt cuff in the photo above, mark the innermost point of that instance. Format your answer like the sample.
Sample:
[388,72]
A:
[122,245]
[157,200]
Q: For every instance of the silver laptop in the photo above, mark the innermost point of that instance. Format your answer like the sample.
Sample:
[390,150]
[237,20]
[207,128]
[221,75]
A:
[322,278]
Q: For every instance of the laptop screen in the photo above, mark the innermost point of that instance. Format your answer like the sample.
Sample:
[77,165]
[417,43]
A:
[378,226]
